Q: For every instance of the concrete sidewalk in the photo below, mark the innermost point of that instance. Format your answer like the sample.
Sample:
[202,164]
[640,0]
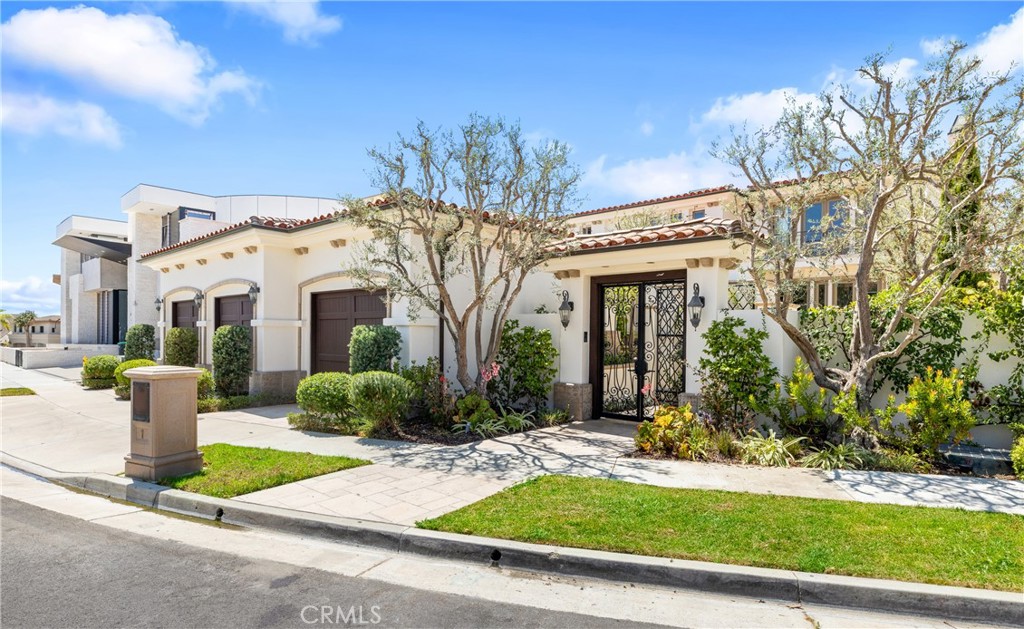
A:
[70,429]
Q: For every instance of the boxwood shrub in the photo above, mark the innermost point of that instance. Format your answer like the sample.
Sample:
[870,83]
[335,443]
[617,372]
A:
[98,371]
[373,348]
[140,342]
[382,398]
[123,388]
[326,396]
[181,347]
[232,357]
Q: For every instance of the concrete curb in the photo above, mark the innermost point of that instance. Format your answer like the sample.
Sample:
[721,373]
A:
[1006,608]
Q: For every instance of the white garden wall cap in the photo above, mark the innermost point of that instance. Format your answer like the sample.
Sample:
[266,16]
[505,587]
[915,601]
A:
[685,230]
[162,372]
[262,222]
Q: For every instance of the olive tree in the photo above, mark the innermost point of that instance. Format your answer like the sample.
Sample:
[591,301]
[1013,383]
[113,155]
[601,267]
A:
[915,204]
[474,206]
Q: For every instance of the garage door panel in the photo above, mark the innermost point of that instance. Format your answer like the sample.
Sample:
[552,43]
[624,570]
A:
[334,316]
[233,310]
[183,314]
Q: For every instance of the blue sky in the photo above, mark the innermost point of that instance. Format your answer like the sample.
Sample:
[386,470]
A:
[284,98]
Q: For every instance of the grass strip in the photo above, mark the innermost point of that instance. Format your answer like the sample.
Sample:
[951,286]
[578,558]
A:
[921,544]
[235,470]
[15,391]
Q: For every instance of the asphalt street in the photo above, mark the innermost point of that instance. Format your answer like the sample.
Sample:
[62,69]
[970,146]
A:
[60,571]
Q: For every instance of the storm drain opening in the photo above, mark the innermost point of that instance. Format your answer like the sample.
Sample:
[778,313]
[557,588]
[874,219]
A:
[220,514]
[495,557]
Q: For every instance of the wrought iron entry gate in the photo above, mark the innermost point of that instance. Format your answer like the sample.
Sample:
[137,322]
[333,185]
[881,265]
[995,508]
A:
[643,357]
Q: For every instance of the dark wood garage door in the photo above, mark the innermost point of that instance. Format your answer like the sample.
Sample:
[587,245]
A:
[183,314]
[234,310]
[334,316]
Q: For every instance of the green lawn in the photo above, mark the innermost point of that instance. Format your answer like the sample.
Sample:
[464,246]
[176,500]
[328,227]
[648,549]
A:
[235,470]
[12,391]
[929,545]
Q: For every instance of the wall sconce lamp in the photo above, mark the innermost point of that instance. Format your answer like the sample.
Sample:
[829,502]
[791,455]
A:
[695,306]
[565,309]
[198,299]
[254,292]
[158,302]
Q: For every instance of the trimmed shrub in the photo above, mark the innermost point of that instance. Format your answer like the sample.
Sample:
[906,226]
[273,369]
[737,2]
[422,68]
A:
[232,357]
[205,387]
[373,348]
[98,371]
[140,342]
[123,388]
[382,398]
[326,396]
[181,347]
[130,364]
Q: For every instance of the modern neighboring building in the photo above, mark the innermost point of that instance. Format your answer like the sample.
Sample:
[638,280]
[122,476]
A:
[40,333]
[95,255]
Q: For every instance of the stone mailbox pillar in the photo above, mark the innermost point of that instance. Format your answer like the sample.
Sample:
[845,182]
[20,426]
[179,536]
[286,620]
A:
[163,418]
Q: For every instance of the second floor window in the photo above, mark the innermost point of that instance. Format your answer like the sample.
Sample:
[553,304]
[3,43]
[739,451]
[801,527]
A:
[813,218]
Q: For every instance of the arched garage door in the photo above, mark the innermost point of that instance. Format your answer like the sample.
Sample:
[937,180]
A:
[334,316]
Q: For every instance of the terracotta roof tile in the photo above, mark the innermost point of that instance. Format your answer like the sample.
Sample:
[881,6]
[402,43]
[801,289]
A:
[263,222]
[686,195]
[700,228]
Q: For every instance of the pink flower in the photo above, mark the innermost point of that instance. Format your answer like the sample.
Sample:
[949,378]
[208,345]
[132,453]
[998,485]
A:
[646,389]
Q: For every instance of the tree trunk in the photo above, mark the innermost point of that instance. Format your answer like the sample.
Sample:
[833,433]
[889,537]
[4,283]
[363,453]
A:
[462,362]
[859,378]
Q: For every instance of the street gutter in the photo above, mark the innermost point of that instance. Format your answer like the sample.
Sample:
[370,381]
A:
[1005,608]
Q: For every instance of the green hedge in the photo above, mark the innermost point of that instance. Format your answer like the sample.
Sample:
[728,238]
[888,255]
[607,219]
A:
[326,396]
[382,398]
[181,347]
[98,371]
[140,342]
[123,388]
[373,348]
[232,357]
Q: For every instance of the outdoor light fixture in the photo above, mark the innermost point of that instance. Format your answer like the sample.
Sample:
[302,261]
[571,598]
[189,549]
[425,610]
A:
[695,305]
[158,302]
[565,309]
[198,299]
[254,290]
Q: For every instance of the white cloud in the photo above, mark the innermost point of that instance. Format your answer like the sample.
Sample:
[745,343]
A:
[132,55]
[647,128]
[935,46]
[1002,46]
[32,114]
[302,21]
[657,176]
[757,109]
[31,293]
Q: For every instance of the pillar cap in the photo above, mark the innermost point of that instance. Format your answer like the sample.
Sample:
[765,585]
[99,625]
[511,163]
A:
[162,372]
